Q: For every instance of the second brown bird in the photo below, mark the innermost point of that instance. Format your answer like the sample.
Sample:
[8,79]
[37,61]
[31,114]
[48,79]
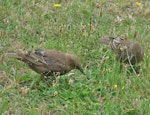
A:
[127,51]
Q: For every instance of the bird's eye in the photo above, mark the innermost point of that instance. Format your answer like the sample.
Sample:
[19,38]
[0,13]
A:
[112,38]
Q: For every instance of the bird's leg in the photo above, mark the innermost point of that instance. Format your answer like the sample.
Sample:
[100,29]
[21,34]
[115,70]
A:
[56,77]
[137,69]
[43,79]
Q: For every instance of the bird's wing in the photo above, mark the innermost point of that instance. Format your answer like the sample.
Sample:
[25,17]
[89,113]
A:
[32,57]
[56,60]
[49,60]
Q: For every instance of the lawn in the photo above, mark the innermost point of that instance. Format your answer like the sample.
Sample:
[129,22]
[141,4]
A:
[74,26]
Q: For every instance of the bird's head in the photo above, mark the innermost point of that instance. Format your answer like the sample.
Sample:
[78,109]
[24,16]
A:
[75,63]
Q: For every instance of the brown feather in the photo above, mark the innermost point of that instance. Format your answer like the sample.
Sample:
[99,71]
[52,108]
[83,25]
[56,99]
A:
[48,62]
[125,50]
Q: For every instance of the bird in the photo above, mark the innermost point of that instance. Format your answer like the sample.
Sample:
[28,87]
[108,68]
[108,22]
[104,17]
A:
[127,51]
[48,62]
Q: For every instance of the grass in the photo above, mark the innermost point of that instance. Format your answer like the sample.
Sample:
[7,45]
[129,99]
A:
[75,27]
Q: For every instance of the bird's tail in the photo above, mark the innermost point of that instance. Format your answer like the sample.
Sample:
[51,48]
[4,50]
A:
[29,57]
[12,55]
[18,55]
[105,40]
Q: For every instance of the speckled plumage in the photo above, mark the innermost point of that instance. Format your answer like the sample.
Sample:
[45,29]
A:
[127,51]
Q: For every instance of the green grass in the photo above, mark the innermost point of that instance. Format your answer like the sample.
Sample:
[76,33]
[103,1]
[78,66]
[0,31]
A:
[75,28]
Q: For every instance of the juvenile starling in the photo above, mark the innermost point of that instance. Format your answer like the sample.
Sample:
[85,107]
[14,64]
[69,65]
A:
[127,51]
[48,62]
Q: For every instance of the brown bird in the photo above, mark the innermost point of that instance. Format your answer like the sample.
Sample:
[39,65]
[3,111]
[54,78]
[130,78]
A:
[127,51]
[48,62]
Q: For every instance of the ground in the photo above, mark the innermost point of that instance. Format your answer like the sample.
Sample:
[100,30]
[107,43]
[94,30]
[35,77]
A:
[74,26]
